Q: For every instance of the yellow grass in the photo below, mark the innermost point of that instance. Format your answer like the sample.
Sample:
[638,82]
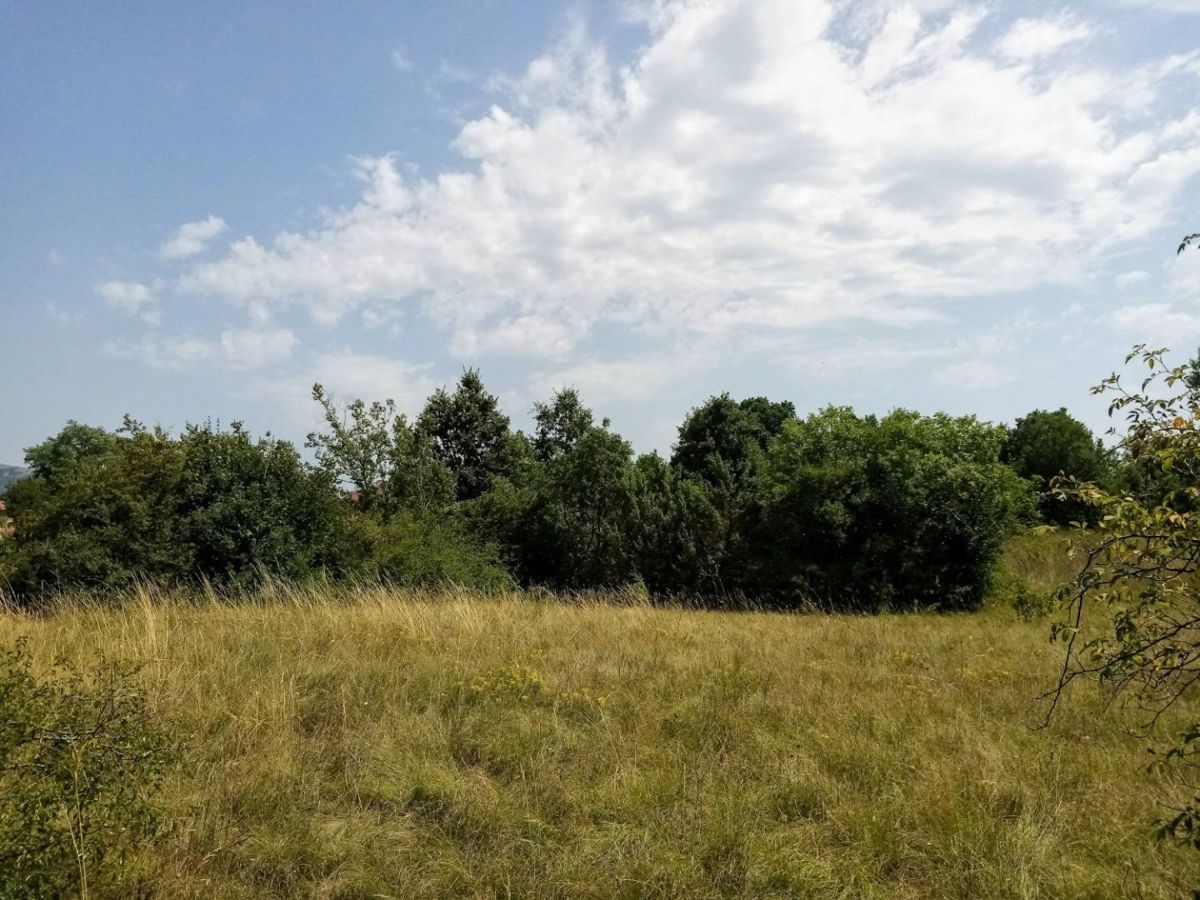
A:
[382,744]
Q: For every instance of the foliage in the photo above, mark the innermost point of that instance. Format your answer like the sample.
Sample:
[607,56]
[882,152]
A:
[560,425]
[413,550]
[99,520]
[80,762]
[722,441]
[57,457]
[1139,567]
[251,507]
[678,532]
[836,510]
[722,445]
[391,464]
[210,504]
[569,522]
[871,513]
[470,435]
[1044,445]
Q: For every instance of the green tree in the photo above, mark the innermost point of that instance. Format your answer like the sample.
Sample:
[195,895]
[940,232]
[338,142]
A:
[392,465]
[676,532]
[559,425]
[722,441]
[209,504]
[56,457]
[1044,445]
[722,445]
[102,520]
[868,513]
[567,520]
[249,507]
[470,435]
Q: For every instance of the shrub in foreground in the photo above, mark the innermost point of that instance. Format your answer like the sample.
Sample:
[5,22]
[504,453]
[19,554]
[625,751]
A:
[80,762]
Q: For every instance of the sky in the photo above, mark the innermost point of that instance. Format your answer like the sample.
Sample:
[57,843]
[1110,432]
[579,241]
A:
[207,207]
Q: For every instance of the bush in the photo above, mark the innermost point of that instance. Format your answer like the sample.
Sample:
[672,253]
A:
[80,762]
[568,522]
[1044,445]
[210,504]
[417,551]
[867,513]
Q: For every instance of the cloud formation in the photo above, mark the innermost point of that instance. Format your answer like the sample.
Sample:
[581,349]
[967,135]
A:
[236,349]
[132,297]
[765,165]
[192,238]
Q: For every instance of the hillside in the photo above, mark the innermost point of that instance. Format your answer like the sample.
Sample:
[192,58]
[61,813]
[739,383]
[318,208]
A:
[397,745]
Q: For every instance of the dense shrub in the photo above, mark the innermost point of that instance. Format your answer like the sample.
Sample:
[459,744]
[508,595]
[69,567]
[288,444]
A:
[1044,445]
[209,504]
[872,513]
[836,509]
[80,762]
[101,519]
[569,521]
[417,551]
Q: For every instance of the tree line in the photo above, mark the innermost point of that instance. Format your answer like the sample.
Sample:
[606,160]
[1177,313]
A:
[832,509]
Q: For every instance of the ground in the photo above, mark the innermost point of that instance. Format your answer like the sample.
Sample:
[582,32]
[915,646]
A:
[380,744]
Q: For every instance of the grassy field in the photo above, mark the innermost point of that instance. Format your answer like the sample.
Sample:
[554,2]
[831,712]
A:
[376,744]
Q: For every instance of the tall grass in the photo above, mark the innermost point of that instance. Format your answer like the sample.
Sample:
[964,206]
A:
[376,743]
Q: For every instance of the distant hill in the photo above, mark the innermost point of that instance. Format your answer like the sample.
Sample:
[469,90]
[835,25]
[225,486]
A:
[9,474]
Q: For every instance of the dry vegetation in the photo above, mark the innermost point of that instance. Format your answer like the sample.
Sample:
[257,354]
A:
[375,744]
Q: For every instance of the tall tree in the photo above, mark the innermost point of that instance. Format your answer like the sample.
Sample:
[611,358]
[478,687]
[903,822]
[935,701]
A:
[560,424]
[1044,445]
[390,463]
[470,435]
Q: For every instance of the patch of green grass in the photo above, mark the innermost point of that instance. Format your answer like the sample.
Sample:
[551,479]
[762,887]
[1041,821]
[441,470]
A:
[383,744]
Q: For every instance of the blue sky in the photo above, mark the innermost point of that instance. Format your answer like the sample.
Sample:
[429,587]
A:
[937,205]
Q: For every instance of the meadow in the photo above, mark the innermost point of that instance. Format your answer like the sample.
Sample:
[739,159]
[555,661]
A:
[379,743]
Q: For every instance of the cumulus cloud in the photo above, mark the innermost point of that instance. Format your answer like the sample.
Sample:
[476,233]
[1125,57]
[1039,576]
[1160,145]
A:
[759,167]
[192,238]
[1030,39]
[131,297]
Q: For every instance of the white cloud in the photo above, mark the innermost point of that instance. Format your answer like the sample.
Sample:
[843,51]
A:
[131,297]
[973,374]
[237,349]
[192,238]
[753,169]
[1173,6]
[1131,279]
[62,316]
[347,375]
[400,60]
[1155,323]
[1030,39]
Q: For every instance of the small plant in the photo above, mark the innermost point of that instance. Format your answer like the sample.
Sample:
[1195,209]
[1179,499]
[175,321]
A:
[80,760]
[513,682]
[1033,605]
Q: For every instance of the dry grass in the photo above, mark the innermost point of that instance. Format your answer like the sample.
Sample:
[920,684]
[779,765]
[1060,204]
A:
[377,744]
